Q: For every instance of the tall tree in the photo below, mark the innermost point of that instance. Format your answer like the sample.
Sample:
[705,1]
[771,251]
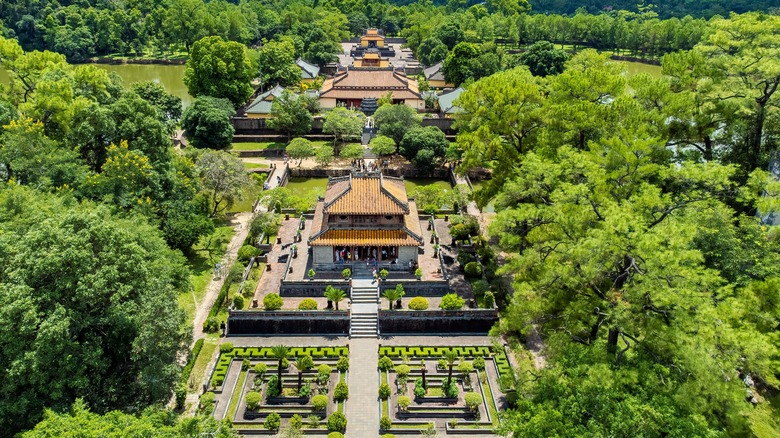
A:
[394,120]
[207,123]
[277,63]
[220,68]
[224,179]
[290,115]
[344,124]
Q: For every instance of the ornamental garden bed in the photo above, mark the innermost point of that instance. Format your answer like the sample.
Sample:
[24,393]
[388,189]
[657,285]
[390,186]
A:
[313,388]
[471,402]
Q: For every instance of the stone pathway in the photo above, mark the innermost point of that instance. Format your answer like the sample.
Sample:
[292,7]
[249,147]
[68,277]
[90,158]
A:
[223,398]
[362,407]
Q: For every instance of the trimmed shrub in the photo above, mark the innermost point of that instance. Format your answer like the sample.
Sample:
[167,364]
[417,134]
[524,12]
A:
[308,304]
[324,369]
[388,435]
[272,421]
[245,364]
[226,347]
[479,287]
[216,381]
[450,391]
[181,395]
[346,273]
[419,389]
[337,422]
[238,302]
[252,400]
[465,258]
[207,402]
[452,302]
[273,302]
[384,391]
[296,422]
[404,402]
[260,369]
[442,363]
[246,252]
[272,389]
[185,373]
[479,363]
[385,423]
[473,400]
[342,364]
[418,303]
[335,435]
[211,325]
[465,367]
[305,391]
[319,402]
[341,392]
[473,270]
[489,300]
[402,370]
[385,363]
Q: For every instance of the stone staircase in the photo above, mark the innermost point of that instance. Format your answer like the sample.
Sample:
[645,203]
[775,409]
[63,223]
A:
[363,314]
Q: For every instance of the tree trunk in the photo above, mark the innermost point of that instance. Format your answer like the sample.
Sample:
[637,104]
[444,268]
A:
[758,132]
[449,376]
[425,384]
[612,340]
[279,376]
[300,380]
[707,148]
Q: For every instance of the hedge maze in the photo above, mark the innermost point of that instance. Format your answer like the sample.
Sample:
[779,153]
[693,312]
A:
[419,395]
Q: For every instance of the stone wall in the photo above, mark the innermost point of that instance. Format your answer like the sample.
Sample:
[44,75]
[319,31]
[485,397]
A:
[315,288]
[445,124]
[281,322]
[414,288]
[436,321]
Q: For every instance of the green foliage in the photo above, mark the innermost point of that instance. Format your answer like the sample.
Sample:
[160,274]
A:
[252,400]
[206,402]
[207,123]
[308,304]
[385,363]
[419,389]
[479,363]
[384,391]
[305,390]
[543,59]
[319,402]
[394,294]
[277,63]
[489,300]
[382,145]
[404,402]
[341,392]
[238,301]
[226,347]
[335,295]
[272,388]
[335,435]
[300,149]
[385,423]
[473,270]
[465,367]
[452,302]
[337,422]
[470,61]
[388,435]
[260,368]
[290,115]
[185,373]
[272,301]
[313,420]
[272,421]
[296,422]
[342,364]
[220,69]
[311,273]
[343,124]
[473,400]
[324,156]
[245,364]
[180,395]
[450,390]
[395,120]
[346,273]
[246,252]
[352,151]
[402,370]
[424,146]
[224,179]
[418,303]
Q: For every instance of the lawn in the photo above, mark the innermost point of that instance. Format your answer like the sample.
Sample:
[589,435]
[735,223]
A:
[201,262]
[233,406]
[249,166]
[210,343]
[258,146]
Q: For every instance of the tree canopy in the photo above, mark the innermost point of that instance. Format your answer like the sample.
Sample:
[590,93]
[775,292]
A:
[221,69]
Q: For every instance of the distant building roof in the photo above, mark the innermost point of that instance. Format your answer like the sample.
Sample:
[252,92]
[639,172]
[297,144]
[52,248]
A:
[262,103]
[434,73]
[366,195]
[358,84]
[308,71]
[447,101]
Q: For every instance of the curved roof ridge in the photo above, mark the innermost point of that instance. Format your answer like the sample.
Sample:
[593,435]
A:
[403,205]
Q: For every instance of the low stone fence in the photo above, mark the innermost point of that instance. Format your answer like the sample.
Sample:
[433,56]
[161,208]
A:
[436,321]
[287,322]
[314,288]
[415,288]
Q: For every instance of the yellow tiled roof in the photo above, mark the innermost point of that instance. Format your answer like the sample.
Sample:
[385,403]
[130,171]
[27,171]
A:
[365,237]
[365,195]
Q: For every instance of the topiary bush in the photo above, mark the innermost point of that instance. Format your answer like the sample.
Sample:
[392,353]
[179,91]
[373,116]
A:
[273,302]
[308,304]
[341,392]
[404,402]
[418,303]
[272,421]
[346,273]
[450,391]
[252,400]
[385,363]
[489,300]
[479,363]
[337,422]
[473,400]
[226,347]
[211,325]
[419,389]
[452,302]
[388,435]
[245,364]
[246,252]
[296,422]
[473,270]
[260,369]
[479,287]
[402,370]
[319,402]
[385,423]
[238,302]
[465,258]
[342,364]
[384,391]
[272,387]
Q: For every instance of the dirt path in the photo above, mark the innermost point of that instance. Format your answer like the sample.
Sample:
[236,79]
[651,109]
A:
[241,224]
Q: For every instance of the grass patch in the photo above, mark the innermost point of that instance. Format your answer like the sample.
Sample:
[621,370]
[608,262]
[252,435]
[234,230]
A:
[233,406]
[201,262]
[250,166]
[210,343]
[491,404]
[258,146]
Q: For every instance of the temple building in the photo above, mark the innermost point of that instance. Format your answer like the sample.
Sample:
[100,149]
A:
[349,87]
[365,218]
[372,39]
[371,59]
[435,76]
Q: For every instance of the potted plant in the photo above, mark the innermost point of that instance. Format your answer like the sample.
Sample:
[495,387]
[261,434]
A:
[298,236]
[418,273]
[303,223]
[311,274]
[294,250]
[435,250]
[433,237]
[346,273]
[383,274]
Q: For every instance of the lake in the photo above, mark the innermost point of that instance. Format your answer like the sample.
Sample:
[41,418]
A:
[635,68]
[169,76]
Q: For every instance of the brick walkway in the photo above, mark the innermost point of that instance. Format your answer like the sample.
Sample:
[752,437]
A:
[271,280]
